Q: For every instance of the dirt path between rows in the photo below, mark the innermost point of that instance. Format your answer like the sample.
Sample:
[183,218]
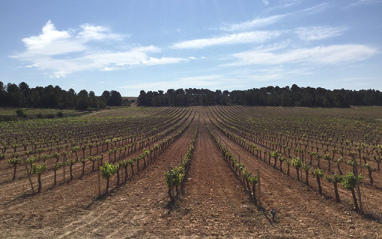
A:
[215,204]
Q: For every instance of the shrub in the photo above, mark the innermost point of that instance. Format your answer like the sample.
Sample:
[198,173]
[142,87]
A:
[60,114]
[50,116]
[19,112]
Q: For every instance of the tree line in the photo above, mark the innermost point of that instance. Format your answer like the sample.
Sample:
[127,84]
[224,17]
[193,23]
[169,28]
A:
[12,95]
[265,96]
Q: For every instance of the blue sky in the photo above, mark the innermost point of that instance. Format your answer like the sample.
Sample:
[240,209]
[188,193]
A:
[133,45]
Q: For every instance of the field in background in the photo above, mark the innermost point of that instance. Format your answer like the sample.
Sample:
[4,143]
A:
[9,114]
[128,101]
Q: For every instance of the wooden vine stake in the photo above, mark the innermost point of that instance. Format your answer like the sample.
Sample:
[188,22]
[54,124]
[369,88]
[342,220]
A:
[259,189]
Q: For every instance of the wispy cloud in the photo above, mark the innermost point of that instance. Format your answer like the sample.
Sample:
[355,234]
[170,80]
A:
[362,82]
[289,3]
[283,4]
[265,2]
[364,2]
[332,54]
[162,61]
[201,81]
[53,51]
[201,78]
[251,75]
[318,32]
[245,37]
[205,81]
[316,9]
[103,61]
[97,33]
[255,23]
[273,47]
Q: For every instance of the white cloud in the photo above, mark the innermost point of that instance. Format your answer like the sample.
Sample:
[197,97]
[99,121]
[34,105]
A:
[318,33]
[51,42]
[245,37]
[332,54]
[97,33]
[255,23]
[46,51]
[49,35]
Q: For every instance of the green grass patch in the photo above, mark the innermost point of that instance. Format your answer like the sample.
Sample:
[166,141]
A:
[11,114]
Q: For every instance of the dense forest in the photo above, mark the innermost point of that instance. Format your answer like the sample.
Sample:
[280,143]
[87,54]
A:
[12,95]
[266,96]
[22,95]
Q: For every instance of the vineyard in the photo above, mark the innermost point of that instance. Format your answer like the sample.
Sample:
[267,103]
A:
[214,171]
